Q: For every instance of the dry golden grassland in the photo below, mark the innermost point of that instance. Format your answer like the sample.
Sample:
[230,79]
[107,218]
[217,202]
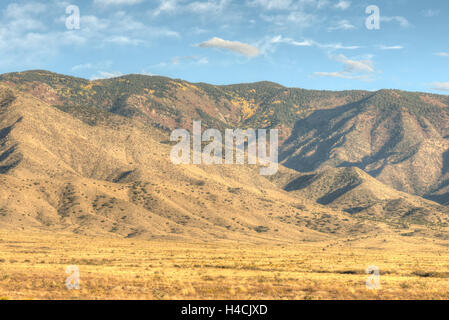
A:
[32,266]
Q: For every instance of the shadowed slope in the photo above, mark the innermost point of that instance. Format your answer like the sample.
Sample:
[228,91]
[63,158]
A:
[354,191]
[399,138]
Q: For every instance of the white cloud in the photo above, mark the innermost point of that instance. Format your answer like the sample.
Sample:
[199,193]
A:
[442,54]
[337,46]
[342,25]
[167,6]
[24,38]
[269,44]
[440,86]
[234,46]
[322,4]
[122,40]
[124,22]
[24,17]
[197,7]
[92,23]
[343,5]
[207,6]
[16,11]
[290,5]
[352,69]
[295,13]
[354,65]
[271,4]
[116,2]
[121,29]
[26,42]
[382,47]
[280,39]
[299,19]
[403,22]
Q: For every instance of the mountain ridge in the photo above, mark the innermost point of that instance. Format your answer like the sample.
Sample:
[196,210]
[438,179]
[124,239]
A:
[30,71]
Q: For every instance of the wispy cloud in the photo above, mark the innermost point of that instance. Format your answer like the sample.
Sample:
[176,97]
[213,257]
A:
[403,22]
[197,7]
[397,47]
[298,19]
[342,25]
[32,33]
[25,38]
[440,86]
[353,66]
[116,2]
[207,6]
[343,5]
[352,69]
[123,40]
[121,29]
[337,46]
[299,14]
[241,48]
[167,6]
[270,44]
[271,4]
[281,39]
[24,17]
[289,5]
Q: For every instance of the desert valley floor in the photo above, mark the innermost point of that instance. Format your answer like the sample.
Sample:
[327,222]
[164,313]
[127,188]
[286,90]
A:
[32,266]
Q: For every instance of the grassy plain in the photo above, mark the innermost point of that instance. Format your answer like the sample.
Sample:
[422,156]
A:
[32,266]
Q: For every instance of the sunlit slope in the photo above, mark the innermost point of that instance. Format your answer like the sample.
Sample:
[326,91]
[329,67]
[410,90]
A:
[61,173]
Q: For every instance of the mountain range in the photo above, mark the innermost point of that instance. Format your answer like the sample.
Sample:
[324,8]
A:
[92,157]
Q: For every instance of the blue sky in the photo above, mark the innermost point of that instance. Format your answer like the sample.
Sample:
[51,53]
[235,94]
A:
[312,44]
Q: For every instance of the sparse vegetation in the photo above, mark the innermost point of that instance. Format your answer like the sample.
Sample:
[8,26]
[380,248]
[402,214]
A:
[34,268]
